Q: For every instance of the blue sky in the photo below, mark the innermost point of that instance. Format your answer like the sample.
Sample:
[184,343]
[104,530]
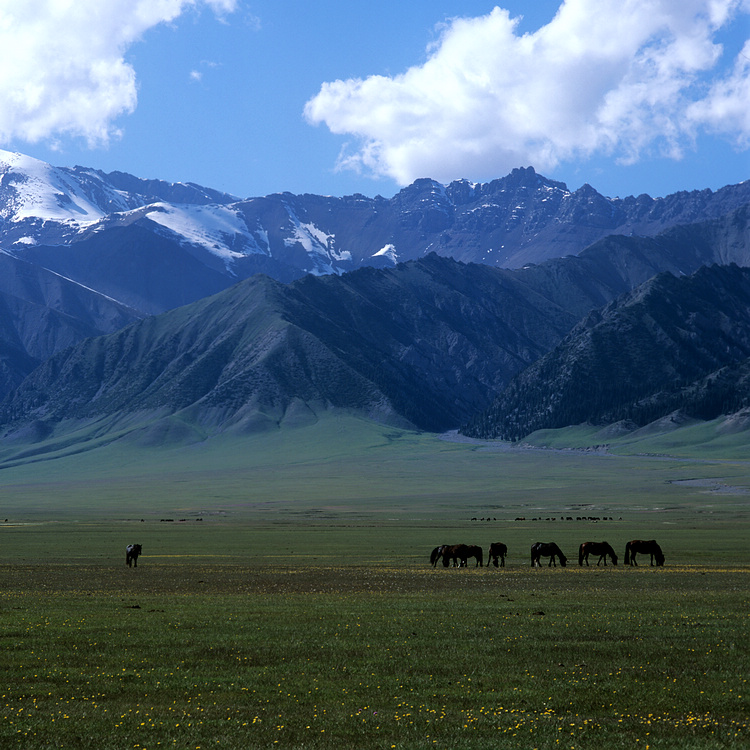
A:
[338,96]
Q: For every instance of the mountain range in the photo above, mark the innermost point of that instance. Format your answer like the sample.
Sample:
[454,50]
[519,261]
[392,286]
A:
[419,310]
[510,222]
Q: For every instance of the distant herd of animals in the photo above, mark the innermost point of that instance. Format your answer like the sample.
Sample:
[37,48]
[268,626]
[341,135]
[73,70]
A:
[459,554]
[554,518]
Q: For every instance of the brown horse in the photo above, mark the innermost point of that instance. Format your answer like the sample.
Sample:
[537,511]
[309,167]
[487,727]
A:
[497,551]
[132,551]
[460,553]
[547,549]
[437,553]
[452,552]
[596,548]
[646,548]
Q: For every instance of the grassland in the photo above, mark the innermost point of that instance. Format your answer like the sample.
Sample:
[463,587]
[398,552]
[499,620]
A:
[285,599]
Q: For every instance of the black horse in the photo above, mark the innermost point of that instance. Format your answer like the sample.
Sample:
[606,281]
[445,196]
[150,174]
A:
[646,548]
[475,551]
[132,551]
[547,549]
[596,548]
[460,553]
[497,551]
[437,553]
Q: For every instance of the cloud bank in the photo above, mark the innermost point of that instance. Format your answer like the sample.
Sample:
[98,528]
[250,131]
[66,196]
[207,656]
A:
[62,70]
[618,77]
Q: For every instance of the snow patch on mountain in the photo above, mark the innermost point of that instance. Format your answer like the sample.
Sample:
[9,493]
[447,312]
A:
[389,251]
[30,188]
[318,244]
[214,227]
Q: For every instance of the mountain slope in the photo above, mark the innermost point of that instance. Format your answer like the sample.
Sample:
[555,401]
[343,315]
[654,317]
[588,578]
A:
[617,263]
[42,313]
[671,343]
[132,264]
[424,344]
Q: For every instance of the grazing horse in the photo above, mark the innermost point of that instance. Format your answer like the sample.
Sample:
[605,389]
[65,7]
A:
[453,552]
[437,553]
[460,553]
[475,551]
[131,554]
[647,548]
[497,551]
[596,548]
[547,549]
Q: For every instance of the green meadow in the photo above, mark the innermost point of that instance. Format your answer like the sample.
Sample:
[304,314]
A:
[285,598]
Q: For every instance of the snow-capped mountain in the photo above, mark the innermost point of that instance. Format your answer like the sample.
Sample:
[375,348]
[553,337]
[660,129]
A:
[32,189]
[511,222]
[150,245]
[42,204]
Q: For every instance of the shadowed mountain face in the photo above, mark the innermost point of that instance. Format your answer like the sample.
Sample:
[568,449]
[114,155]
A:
[42,313]
[672,343]
[423,344]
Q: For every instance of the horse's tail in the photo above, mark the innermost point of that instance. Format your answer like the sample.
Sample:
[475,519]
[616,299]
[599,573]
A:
[627,554]
[434,556]
[580,555]
[479,557]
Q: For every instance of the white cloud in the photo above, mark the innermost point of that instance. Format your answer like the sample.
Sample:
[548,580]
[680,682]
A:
[62,70]
[621,77]
[726,108]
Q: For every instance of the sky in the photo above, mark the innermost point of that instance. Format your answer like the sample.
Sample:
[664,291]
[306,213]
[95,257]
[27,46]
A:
[336,97]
